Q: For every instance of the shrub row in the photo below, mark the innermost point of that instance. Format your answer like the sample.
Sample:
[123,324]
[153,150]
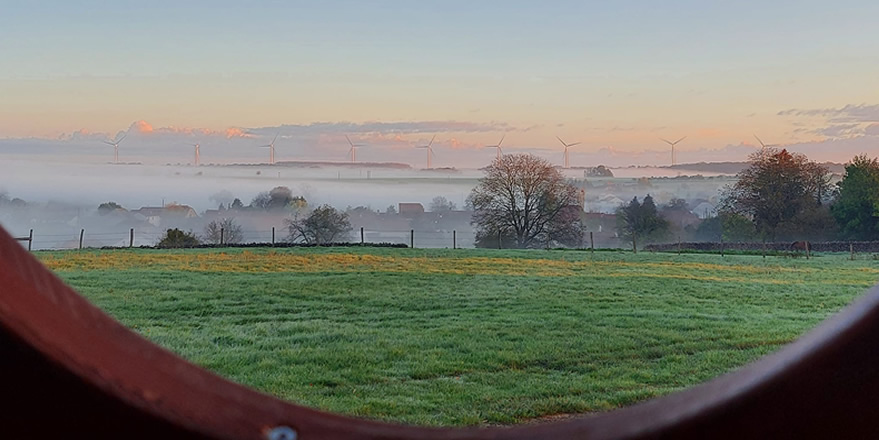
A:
[824,246]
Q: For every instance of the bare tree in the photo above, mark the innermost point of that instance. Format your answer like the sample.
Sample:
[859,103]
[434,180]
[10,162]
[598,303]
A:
[324,225]
[225,228]
[279,198]
[440,203]
[523,200]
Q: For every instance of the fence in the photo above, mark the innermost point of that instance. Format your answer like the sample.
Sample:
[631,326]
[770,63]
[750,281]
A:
[454,239]
[82,238]
[798,247]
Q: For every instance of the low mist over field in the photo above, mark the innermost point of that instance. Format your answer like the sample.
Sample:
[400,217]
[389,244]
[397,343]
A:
[149,185]
[58,200]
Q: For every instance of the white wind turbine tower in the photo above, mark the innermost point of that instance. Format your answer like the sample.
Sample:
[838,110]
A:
[116,147]
[498,146]
[672,147]
[353,150]
[429,150]
[197,154]
[567,161]
[271,148]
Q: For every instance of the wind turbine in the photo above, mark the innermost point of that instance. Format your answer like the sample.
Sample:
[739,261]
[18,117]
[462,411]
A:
[567,162]
[429,150]
[498,146]
[672,147]
[197,154]
[353,150]
[271,148]
[762,145]
[116,147]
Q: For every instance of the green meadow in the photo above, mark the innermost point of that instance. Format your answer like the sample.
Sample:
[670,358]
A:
[464,337]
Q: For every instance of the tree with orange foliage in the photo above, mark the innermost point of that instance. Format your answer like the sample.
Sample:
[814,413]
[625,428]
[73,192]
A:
[784,194]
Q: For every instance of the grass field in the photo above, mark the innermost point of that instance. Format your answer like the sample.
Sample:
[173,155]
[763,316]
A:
[465,337]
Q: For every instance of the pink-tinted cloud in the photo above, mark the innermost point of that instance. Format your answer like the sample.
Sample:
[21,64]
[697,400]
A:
[142,127]
[145,128]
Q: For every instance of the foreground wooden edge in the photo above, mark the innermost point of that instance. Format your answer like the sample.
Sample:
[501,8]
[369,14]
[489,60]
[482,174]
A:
[67,370]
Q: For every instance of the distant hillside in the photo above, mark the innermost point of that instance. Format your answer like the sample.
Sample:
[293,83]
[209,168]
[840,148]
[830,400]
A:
[735,167]
[329,164]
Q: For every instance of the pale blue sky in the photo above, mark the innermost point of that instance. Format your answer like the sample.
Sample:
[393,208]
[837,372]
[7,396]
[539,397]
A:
[606,73]
[479,38]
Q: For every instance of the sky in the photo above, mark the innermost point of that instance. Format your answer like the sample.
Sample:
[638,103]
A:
[614,76]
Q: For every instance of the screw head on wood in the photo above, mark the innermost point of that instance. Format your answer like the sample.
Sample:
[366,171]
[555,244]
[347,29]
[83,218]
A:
[282,433]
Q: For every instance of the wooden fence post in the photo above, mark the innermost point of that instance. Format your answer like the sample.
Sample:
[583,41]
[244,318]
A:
[361,235]
[131,237]
[81,233]
[412,238]
[273,235]
[634,244]
[30,240]
[454,239]
[808,250]
[591,243]
[499,241]
[222,235]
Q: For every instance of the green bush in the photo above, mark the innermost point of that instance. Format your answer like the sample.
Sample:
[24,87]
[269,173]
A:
[175,238]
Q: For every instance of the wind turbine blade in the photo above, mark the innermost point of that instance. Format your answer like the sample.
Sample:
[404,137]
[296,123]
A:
[502,141]
[349,141]
[563,142]
[575,143]
[680,139]
[666,141]
[109,143]
[123,137]
[761,142]
[431,141]
[276,138]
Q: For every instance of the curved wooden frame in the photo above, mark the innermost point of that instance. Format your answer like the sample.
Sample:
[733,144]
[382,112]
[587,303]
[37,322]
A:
[67,370]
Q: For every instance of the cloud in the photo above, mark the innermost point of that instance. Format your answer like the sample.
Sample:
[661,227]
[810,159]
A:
[839,130]
[142,127]
[236,133]
[84,135]
[848,113]
[839,123]
[403,127]
[379,132]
